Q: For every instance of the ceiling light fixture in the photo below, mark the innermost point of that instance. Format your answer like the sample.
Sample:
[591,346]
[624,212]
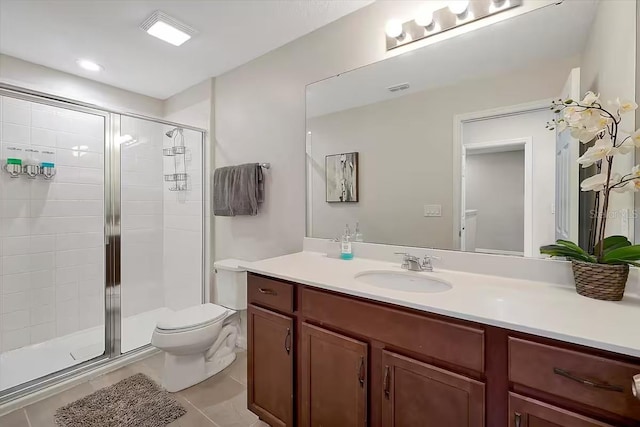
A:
[168,29]
[89,65]
[394,29]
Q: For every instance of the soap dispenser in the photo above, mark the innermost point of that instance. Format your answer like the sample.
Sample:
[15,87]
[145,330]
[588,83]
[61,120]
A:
[357,235]
[346,251]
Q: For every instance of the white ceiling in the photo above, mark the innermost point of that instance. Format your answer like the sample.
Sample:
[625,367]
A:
[548,34]
[56,33]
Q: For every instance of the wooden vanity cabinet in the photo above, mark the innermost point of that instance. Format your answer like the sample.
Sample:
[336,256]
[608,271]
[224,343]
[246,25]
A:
[419,394]
[320,358]
[333,378]
[527,412]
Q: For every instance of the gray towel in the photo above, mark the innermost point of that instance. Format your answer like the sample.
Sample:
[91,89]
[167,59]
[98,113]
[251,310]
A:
[238,190]
[222,180]
[245,194]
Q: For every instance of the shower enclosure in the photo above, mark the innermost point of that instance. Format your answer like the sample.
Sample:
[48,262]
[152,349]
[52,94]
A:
[101,233]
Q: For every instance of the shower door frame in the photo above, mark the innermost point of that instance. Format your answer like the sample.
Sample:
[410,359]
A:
[112,235]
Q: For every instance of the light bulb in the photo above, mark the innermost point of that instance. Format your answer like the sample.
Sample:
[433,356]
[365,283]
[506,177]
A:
[458,7]
[424,17]
[394,29]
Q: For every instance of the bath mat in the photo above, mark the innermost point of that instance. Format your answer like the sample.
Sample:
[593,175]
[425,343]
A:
[136,401]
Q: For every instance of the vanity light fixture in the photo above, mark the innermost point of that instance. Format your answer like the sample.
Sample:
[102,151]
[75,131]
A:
[456,13]
[394,29]
[168,29]
[89,65]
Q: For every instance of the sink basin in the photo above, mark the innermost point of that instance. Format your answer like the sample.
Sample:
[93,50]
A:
[403,281]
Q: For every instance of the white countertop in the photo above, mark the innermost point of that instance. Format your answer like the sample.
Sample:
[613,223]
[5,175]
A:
[537,308]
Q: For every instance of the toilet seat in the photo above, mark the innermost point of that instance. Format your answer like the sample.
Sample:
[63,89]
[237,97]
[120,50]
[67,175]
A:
[192,318]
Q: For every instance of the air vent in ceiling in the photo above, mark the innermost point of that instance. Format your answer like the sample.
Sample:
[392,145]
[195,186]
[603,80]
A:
[399,87]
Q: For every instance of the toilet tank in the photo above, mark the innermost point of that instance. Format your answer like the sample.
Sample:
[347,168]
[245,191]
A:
[231,284]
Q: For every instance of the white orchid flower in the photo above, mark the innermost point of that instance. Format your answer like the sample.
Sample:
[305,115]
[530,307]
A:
[626,147]
[626,106]
[601,149]
[590,98]
[582,134]
[594,183]
[635,138]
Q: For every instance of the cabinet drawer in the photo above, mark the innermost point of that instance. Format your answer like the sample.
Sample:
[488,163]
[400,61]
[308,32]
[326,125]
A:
[270,293]
[450,342]
[584,378]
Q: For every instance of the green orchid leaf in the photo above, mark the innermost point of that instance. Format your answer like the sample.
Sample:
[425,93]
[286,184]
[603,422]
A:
[612,242]
[571,245]
[566,252]
[625,254]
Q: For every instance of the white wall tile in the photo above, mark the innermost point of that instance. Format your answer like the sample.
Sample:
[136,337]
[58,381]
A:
[43,332]
[14,302]
[16,134]
[41,297]
[12,283]
[12,340]
[14,320]
[43,137]
[16,113]
[43,119]
[43,314]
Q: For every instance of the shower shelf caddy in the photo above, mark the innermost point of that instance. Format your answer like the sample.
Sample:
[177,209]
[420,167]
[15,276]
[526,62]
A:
[179,178]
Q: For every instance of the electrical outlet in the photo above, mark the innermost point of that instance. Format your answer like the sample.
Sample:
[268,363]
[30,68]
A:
[432,210]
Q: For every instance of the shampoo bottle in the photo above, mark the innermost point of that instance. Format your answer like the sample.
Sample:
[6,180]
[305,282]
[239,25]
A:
[346,252]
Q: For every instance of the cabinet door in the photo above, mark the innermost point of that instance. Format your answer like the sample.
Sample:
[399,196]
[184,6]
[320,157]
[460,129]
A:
[270,366]
[334,379]
[418,394]
[526,412]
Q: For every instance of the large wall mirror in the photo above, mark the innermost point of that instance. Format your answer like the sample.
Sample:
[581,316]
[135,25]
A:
[446,146]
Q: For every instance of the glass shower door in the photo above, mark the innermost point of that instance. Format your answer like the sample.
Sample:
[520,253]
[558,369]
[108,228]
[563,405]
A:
[52,222]
[161,242]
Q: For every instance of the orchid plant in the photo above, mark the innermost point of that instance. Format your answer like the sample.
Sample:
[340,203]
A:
[587,120]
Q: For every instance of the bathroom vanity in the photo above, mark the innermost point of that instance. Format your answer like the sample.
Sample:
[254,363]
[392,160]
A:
[327,350]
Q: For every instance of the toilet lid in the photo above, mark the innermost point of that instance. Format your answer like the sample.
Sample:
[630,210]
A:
[199,315]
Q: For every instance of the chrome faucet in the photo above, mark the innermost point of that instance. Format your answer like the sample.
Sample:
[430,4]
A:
[413,263]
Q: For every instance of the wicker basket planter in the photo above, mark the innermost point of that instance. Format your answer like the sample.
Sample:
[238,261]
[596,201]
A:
[600,281]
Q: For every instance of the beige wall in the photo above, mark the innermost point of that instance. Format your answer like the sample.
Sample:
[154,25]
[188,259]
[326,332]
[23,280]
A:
[36,77]
[406,154]
[609,68]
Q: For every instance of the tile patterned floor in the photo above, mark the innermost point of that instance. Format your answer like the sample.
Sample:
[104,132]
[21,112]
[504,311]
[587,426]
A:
[220,401]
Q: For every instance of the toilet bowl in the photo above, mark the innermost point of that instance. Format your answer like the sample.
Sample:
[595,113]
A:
[198,341]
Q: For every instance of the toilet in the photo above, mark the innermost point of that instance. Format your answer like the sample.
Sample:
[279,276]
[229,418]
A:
[199,341]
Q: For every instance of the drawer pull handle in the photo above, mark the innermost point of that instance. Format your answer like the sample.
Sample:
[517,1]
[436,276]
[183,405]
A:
[587,382]
[386,382]
[267,291]
[517,419]
[287,341]
[361,372]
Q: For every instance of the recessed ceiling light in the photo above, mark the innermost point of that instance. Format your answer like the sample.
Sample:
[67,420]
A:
[168,29]
[89,65]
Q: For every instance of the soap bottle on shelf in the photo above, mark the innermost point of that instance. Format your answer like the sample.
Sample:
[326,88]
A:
[357,235]
[346,251]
